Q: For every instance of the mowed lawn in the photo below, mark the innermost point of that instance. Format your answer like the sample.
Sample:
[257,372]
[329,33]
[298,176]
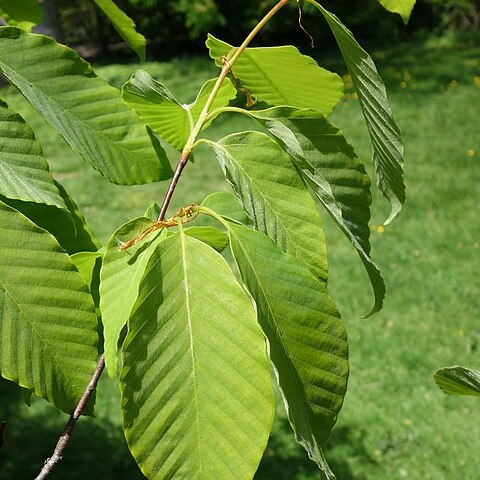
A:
[395,423]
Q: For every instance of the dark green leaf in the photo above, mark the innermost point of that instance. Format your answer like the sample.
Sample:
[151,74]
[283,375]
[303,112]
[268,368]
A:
[21,13]
[125,27]
[458,381]
[385,135]
[84,109]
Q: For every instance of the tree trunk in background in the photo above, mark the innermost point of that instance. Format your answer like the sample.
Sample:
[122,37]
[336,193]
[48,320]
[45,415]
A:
[51,24]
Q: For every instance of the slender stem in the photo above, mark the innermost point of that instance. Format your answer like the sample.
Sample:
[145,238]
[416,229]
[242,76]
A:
[67,432]
[227,65]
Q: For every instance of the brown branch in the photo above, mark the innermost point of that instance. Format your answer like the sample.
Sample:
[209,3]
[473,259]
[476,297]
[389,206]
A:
[67,432]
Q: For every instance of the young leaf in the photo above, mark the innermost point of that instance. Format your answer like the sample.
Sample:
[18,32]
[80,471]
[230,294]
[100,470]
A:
[274,196]
[153,211]
[282,76]
[124,26]
[48,327]
[227,206]
[88,113]
[89,264]
[330,167]
[157,106]
[385,135]
[458,381]
[197,400]
[24,172]
[307,339]
[68,225]
[119,280]
[24,14]
[210,235]
[402,7]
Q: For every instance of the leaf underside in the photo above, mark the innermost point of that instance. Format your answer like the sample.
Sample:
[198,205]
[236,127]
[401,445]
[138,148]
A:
[197,400]
[458,381]
[88,113]
[282,76]
[402,7]
[157,106]
[48,326]
[335,175]
[385,135]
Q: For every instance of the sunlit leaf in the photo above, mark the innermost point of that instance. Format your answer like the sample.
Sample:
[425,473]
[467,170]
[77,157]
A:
[282,76]
[402,7]
[88,113]
[157,106]
[330,167]
[197,400]
[227,206]
[48,327]
[385,135]
[210,235]
[274,196]
[307,339]
[119,280]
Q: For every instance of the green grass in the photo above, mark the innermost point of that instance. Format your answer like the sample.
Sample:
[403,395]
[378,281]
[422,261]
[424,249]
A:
[395,423]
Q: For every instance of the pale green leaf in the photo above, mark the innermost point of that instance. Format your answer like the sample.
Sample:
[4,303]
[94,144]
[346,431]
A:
[402,7]
[197,399]
[124,26]
[210,235]
[458,381]
[307,339]
[158,107]
[119,280]
[282,76]
[48,327]
[68,225]
[330,167]
[21,13]
[385,135]
[274,196]
[89,264]
[24,172]
[227,206]
[84,109]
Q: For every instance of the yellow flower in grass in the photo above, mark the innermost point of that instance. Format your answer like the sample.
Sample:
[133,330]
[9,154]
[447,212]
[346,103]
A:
[470,152]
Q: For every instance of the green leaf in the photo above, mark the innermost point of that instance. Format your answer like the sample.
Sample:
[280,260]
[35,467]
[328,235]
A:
[402,7]
[274,196]
[197,400]
[227,206]
[385,135]
[124,26]
[330,167]
[210,235]
[88,113]
[307,339]
[119,280]
[24,172]
[458,381]
[21,13]
[157,106]
[282,76]
[88,264]
[153,211]
[68,225]
[48,327]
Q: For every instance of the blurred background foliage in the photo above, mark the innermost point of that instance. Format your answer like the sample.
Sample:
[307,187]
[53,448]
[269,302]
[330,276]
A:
[181,25]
